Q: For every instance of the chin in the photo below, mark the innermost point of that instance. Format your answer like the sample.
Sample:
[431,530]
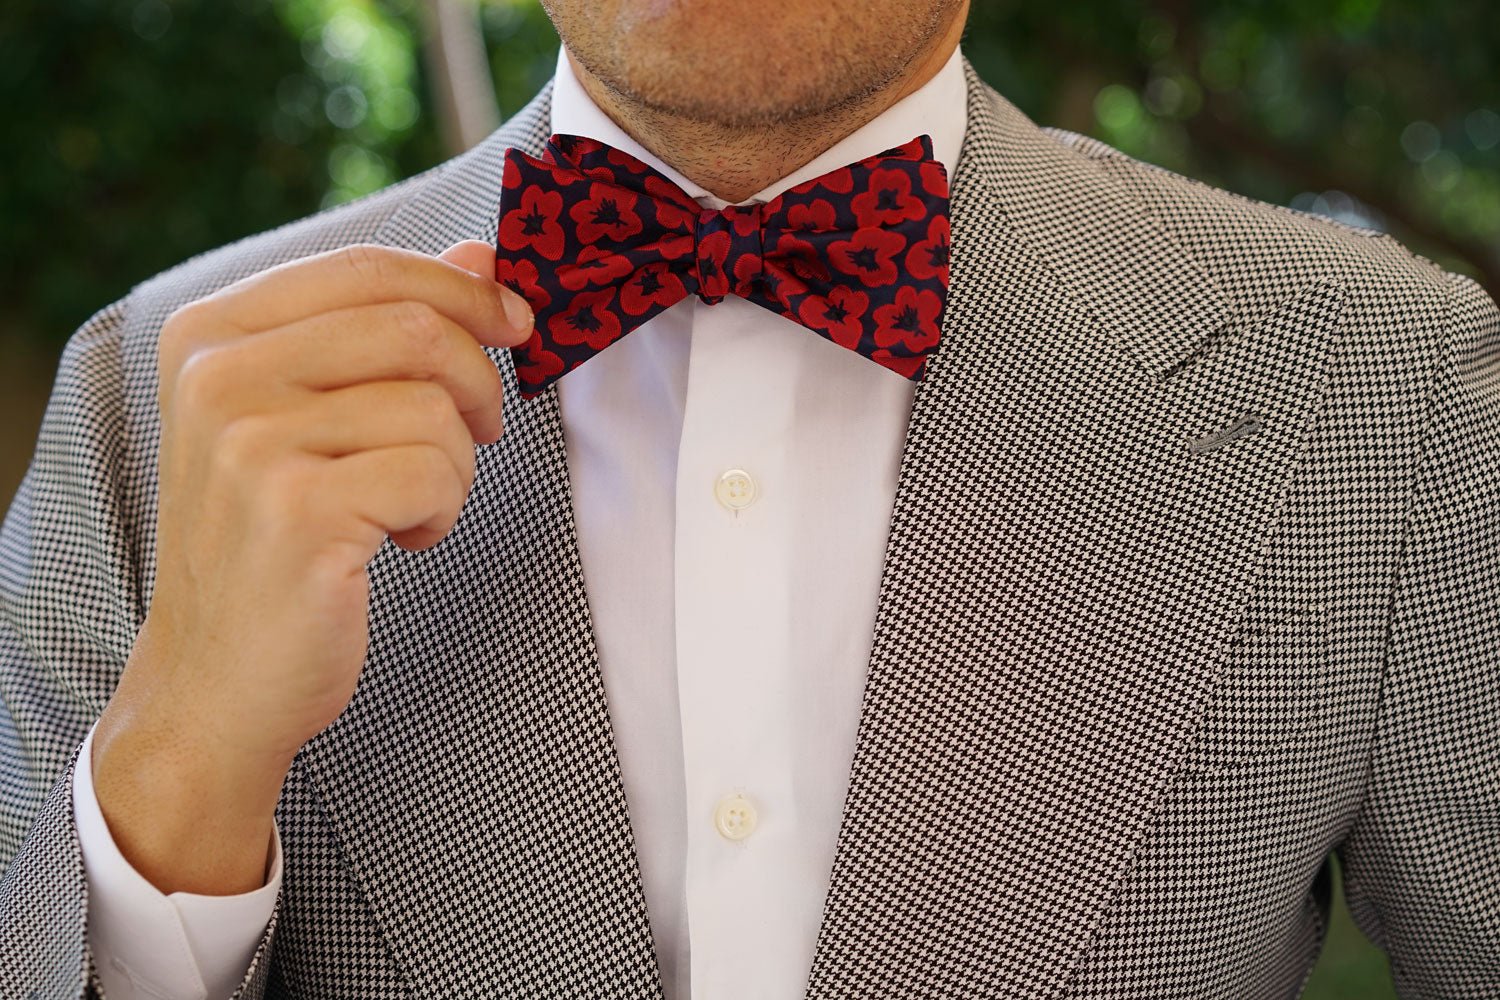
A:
[742,62]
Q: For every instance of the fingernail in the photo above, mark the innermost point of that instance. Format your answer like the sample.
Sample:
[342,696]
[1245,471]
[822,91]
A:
[517,311]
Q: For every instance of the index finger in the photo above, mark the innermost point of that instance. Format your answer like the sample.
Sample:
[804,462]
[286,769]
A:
[367,274]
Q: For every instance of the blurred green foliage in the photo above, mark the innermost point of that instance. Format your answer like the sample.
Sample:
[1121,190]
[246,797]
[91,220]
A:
[141,132]
[1380,112]
[144,131]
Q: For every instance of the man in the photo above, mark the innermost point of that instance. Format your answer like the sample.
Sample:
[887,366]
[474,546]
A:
[1053,665]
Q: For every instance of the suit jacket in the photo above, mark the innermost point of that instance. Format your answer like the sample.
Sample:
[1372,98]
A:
[1193,577]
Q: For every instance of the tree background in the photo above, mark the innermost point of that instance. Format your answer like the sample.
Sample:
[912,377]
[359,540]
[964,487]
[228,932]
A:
[143,132]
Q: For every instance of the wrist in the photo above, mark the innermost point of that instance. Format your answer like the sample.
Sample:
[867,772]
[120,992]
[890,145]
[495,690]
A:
[190,813]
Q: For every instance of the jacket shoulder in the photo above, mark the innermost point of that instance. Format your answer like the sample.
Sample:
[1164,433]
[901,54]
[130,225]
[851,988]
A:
[1256,249]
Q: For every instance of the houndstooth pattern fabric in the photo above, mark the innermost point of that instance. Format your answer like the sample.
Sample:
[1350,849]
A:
[1193,577]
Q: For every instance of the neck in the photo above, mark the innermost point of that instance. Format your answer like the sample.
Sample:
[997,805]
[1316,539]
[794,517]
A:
[734,163]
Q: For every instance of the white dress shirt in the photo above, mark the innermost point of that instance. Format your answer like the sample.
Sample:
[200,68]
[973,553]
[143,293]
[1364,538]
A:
[732,476]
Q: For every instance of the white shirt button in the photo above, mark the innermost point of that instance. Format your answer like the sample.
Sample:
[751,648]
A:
[734,817]
[735,489]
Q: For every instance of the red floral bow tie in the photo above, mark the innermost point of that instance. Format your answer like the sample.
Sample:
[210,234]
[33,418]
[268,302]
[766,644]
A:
[599,242]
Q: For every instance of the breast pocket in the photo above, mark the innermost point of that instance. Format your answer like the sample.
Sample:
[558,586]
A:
[1270,687]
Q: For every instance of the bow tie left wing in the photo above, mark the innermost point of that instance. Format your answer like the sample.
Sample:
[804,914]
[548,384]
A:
[588,235]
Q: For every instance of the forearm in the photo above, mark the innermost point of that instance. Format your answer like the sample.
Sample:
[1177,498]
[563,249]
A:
[188,813]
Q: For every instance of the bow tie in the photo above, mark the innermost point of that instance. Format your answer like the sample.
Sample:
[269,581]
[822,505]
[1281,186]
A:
[599,242]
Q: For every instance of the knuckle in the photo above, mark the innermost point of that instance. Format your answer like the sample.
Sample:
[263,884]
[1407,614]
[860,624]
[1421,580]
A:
[178,331]
[431,404]
[368,261]
[187,317]
[202,379]
[466,468]
[487,297]
[424,333]
[244,443]
[433,469]
[285,496]
[437,477]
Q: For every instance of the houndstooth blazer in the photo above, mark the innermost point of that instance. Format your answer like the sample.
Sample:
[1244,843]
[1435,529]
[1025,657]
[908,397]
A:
[1193,577]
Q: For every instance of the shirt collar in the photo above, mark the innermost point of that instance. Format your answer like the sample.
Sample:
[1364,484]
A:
[938,108]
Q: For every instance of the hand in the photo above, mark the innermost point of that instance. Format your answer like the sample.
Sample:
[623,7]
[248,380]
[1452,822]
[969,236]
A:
[308,412]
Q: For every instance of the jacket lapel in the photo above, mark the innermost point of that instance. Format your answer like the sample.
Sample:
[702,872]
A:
[1061,574]
[473,782]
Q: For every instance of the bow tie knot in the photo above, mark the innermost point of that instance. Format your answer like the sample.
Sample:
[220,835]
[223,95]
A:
[729,254]
[599,243]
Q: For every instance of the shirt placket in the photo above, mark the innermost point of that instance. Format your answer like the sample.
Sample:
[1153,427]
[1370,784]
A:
[734,658]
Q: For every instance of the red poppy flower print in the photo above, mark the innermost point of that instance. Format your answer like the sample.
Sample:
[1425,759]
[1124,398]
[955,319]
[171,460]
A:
[672,247]
[911,321]
[840,315]
[934,178]
[598,242]
[536,363]
[533,224]
[596,171]
[840,181]
[905,367]
[928,259]
[816,216]
[797,258]
[911,149]
[564,174]
[653,286]
[749,270]
[571,149]
[780,285]
[521,277]
[608,213]
[625,161]
[594,266]
[869,255]
[713,252]
[888,200]
[674,209]
[743,219]
[587,319]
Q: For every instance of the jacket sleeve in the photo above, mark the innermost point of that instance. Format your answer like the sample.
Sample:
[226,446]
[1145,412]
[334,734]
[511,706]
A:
[71,602]
[1422,862]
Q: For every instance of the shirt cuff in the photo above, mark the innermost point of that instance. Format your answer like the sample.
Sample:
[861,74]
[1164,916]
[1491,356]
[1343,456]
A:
[150,945]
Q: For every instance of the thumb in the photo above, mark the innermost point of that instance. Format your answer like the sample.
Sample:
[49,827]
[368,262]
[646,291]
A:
[479,257]
[471,255]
